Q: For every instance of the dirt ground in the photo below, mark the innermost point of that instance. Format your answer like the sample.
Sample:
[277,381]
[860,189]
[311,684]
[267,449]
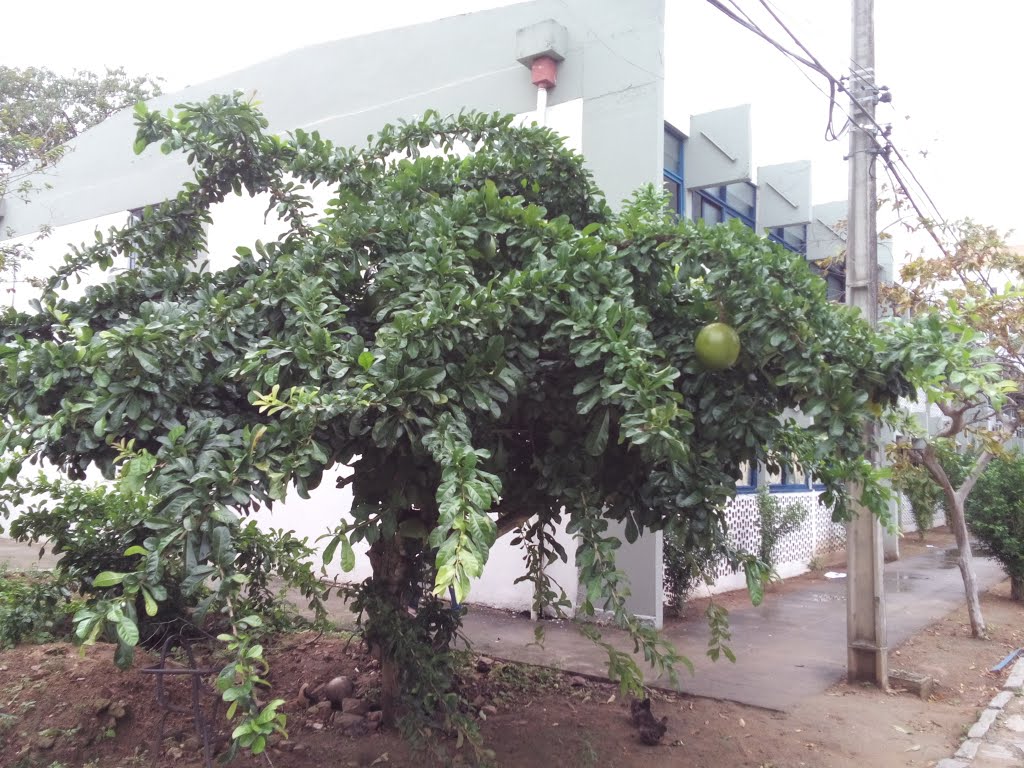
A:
[59,708]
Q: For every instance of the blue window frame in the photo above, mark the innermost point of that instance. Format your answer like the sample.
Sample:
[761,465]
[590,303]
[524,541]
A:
[792,238]
[673,178]
[788,479]
[747,481]
[716,205]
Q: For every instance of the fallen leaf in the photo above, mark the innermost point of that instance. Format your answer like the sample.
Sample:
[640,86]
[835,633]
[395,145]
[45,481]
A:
[914,748]
[610,699]
[743,723]
[382,759]
[901,729]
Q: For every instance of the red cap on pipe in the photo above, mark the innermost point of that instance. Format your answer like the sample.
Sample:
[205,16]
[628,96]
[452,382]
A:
[544,72]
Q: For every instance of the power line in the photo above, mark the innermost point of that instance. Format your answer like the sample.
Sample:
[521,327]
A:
[830,131]
[884,147]
[856,73]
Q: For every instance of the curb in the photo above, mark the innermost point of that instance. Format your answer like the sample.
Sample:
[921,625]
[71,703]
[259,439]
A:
[976,736]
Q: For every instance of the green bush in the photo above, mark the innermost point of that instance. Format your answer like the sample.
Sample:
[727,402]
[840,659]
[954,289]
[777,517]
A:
[995,515]
[34,607]
[91,527]
[922,492]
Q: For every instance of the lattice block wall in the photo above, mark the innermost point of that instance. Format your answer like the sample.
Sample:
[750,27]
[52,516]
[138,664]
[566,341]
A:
[817,535]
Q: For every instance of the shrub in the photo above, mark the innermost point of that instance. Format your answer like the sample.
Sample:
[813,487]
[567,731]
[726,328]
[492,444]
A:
[687,563]
[91,528]
[995,515]
[33,608]
[778,520]
[921,491]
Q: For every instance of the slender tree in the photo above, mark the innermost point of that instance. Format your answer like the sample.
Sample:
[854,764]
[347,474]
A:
[964,347]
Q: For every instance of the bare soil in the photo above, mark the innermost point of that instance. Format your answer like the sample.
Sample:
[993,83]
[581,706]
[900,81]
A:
[62,708]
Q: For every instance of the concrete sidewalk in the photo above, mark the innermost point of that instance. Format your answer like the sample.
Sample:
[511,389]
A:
[789,648]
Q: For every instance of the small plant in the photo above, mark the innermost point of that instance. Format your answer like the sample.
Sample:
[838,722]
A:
[778,520]
[238,683]
[921,491]
[33,608]
[686,566]
[523,679]
[995,514]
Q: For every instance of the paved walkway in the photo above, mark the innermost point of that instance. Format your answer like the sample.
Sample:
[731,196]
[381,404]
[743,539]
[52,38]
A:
[798,637]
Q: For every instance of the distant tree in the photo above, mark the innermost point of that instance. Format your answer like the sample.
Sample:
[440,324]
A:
[40,111]
[473,332]
[964,346]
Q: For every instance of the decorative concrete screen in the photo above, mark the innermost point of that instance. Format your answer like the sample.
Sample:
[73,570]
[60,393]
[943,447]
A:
[817,536]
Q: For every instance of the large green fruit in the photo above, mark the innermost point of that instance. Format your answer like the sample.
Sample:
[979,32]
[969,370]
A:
[718,346]
[487,245]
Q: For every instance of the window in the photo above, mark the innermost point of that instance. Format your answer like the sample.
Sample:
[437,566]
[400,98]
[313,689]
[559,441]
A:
[792,238]
[788,478]
[747,480]
[673,174]
[716,205]
[834,274]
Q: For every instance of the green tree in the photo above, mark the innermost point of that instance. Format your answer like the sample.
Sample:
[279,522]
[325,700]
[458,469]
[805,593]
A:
[472,331]
[963,347]
[40,111]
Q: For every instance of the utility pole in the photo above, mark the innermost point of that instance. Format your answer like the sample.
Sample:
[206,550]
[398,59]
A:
[867,654]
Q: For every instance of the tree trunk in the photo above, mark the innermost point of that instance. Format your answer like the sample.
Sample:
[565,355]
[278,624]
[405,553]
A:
[1017,587]
[392,571]
[954,503]
[965,561]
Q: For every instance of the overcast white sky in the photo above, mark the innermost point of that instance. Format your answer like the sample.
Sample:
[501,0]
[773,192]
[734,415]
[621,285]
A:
[952,69]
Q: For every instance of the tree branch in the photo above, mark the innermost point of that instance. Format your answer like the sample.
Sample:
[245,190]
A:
[510,519]
[956,419]
[976,471]
[930,461]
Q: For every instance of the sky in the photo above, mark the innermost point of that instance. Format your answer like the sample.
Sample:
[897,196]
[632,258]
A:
[950,68]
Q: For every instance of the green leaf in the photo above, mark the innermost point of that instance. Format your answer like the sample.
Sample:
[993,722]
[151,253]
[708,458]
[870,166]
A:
[108,579]
[597,437]
[348,556]
[365,360]
[127,631]
[151,606]
[755,584]
[330,549]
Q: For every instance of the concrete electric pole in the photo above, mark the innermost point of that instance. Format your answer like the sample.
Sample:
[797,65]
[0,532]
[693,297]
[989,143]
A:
[867,655]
